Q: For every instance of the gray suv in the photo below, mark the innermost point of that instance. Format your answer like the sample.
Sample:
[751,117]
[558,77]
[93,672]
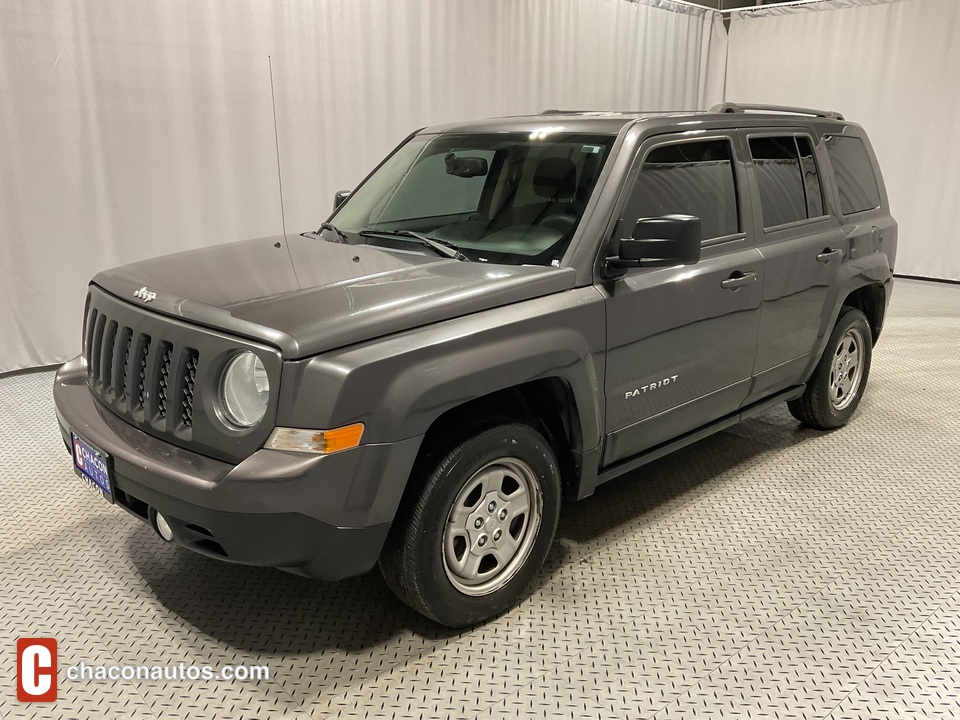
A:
[504,313]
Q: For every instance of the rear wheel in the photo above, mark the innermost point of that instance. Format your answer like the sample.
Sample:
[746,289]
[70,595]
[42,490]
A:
[468,545]
[837,384]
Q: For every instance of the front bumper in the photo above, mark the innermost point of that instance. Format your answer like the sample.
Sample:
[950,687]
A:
[325,516]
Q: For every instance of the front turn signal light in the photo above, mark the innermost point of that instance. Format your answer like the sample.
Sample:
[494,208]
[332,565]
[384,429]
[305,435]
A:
[315,441]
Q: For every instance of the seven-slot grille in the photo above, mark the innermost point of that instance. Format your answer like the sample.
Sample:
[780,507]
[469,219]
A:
[147,378]
[160,374]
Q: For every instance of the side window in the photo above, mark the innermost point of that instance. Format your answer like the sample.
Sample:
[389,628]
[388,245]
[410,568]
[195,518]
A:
[788,179]
[688,178]
[430,192]
[856,181]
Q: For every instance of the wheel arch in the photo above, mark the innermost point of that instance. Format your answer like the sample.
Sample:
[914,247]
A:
[871,300]
[548,405]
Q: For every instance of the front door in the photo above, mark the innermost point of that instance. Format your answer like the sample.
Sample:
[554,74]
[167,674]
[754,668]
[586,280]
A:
[682,341]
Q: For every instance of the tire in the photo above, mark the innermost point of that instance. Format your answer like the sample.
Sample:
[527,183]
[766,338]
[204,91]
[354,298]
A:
[836,387]
[440,563]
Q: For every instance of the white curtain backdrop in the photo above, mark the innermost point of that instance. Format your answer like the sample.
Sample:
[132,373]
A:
[133,128]
[892,66]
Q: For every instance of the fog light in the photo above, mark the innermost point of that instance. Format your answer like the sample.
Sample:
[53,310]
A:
[163,527]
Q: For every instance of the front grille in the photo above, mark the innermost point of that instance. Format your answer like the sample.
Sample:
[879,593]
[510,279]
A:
[158,373]
[163,378]
[123,363]
[126,341]
[142,370]
[189,381]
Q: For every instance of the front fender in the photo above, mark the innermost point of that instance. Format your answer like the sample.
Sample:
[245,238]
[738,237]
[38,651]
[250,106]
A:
[398,385]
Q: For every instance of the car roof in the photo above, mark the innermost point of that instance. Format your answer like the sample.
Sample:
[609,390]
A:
[582,121]
[611,122]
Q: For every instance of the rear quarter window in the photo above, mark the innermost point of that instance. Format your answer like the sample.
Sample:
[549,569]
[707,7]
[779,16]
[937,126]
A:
[855,177]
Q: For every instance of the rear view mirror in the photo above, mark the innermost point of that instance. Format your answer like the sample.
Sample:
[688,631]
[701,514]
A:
[466,166]
[660,242]
[340,197]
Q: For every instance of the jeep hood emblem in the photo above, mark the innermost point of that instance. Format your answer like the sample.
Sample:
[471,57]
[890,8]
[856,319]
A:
[145,295]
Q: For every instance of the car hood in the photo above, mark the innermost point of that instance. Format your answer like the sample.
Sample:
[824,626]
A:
[306,295]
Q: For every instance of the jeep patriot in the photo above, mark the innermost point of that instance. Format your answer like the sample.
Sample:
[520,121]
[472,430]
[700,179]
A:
[504,314]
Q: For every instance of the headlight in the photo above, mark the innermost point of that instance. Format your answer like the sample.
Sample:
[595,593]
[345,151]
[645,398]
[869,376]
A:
[245,390]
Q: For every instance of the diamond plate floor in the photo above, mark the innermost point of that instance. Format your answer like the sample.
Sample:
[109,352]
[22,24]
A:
[768,571]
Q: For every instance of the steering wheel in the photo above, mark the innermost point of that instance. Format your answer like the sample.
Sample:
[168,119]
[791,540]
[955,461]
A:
[558,221]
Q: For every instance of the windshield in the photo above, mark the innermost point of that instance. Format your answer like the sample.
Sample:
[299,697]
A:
[500,198]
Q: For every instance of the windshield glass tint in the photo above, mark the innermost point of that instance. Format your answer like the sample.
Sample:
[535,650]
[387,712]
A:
[502,198]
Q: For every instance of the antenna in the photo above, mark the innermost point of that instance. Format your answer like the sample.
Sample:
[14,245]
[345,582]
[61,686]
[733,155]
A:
[276,139]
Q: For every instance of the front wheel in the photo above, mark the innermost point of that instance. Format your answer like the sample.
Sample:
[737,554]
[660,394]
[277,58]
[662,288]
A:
[469,544]
[837,384]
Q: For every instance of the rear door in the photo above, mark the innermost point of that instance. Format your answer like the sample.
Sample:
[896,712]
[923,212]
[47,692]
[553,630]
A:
[802,246]
[682,340]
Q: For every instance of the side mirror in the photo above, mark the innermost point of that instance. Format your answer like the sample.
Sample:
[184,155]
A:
[660,242]
[340,197]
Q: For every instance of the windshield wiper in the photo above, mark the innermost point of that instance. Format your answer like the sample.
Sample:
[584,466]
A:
[333,228]
[441,247]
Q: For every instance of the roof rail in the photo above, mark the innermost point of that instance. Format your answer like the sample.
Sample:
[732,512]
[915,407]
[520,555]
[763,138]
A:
[730,107]
[615,112]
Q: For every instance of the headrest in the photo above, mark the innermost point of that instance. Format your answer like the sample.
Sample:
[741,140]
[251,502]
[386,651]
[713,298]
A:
[555,178]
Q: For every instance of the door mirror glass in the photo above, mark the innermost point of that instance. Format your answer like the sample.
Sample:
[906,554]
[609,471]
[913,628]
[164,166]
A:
[661,242]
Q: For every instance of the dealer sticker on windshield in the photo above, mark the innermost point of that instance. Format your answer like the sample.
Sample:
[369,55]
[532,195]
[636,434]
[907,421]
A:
[92,466]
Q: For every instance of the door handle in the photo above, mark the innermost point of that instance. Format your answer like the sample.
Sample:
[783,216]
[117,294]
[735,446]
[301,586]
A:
[738,280]
[829,254]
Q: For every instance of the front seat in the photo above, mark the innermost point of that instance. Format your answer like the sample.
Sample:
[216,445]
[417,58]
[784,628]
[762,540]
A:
[555,180]
[554,184]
